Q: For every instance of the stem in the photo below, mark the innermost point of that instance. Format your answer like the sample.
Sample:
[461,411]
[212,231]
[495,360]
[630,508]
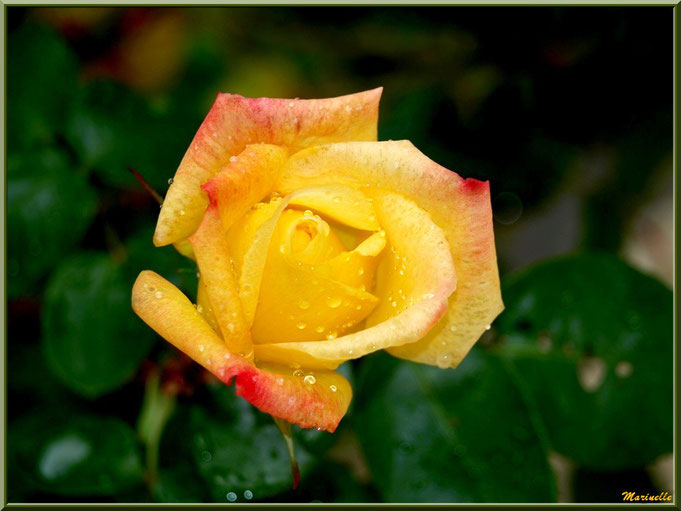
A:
[156,409]
[285,429]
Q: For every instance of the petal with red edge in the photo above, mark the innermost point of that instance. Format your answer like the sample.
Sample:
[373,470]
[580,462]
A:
[461,207]
[235,122]
[320,401]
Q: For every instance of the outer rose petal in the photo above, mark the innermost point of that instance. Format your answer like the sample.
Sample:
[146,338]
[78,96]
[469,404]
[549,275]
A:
[461,207]
[273,389]
[212,253]
[234,122]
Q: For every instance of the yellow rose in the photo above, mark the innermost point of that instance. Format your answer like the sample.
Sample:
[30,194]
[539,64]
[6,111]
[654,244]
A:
[316,245]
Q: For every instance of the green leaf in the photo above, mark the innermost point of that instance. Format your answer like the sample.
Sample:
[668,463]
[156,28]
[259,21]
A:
[235,450]
[592,339]
[41,77]
[92,340]
[109,129]
[433,435]
[49,208]
[78,455]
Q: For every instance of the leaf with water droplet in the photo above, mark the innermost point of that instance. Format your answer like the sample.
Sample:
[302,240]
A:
[597,333]
[430,435]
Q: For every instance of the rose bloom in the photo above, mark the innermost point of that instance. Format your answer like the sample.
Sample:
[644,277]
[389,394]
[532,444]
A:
[317,245]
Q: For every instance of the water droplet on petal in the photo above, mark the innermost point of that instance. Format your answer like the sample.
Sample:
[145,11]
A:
[304,304]
[443,360]
[199,308]
[233,159]
[319,329]
[360,271]
[298,373]
[201,347]
[170,181]
[158,294]
[333,302]
[301,325]
[332,335]
[333,388]
[231,496]
[227,356]
[310,379]
[248,494]
[488,327]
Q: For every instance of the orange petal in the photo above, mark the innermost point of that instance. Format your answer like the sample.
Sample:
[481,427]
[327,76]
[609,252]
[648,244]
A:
[460,207]
[234,122]
[320,401]
[245,181]
[212,254]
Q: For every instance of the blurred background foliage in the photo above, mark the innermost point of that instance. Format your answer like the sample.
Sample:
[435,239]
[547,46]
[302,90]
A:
[566,111]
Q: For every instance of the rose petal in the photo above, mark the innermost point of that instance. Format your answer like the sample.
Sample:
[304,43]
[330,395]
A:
[344,204]
[300,299]
[212,254]
[411,302]
[273,389]
[245,181]
[461,207]
[234,122]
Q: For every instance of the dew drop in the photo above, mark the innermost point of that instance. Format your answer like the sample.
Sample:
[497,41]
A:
[298,373]
[332,335]
[319,329]
[199,308]
[360,271]
[304,304]
[349,352]
[201,347]
[333,302]
[233,159]
[182,212]
[158,294]
[301,325]
[227,356]
[488,327]
[230,327]
[170,181]
[443,360]
[231,496]
[310,379]
[452,328]
[291,104]
[394,304]
[333,388]
[248,494]
[280,381]
[206,456]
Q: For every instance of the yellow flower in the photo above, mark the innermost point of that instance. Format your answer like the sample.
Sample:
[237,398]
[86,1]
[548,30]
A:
[317,245]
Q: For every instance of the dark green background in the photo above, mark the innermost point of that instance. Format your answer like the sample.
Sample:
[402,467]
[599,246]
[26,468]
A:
[566,111]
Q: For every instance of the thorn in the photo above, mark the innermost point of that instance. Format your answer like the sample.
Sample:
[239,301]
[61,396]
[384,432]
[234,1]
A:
[146,185]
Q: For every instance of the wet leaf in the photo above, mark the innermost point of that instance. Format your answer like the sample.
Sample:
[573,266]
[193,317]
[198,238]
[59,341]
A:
[592,340]
[433,435]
